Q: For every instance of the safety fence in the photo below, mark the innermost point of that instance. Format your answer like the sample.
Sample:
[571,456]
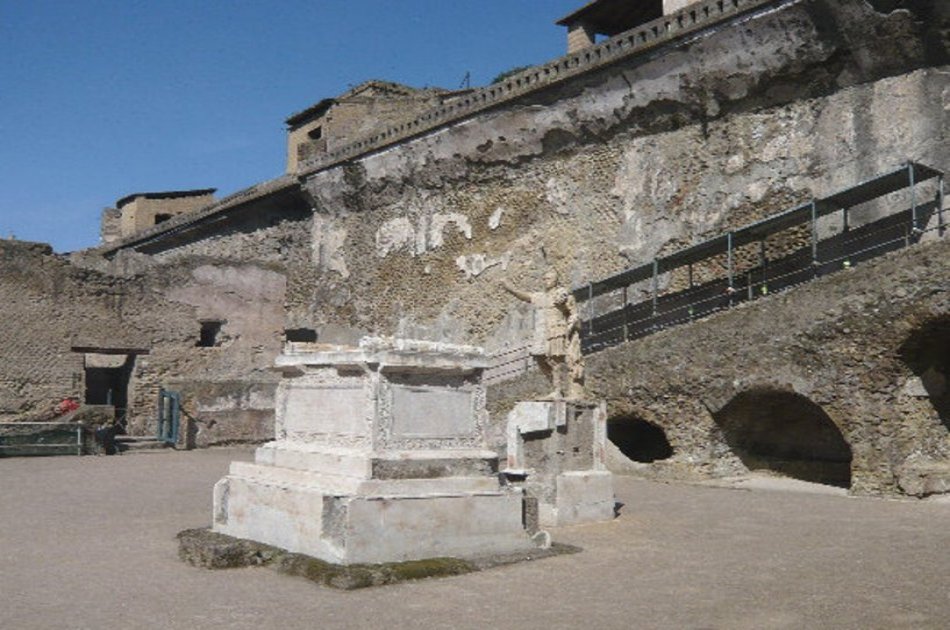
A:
[772,255]
[42,438]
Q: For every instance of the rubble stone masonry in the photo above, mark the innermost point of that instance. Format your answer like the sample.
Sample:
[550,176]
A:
[590,174]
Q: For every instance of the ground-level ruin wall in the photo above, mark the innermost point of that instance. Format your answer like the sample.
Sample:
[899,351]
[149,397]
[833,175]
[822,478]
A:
[61,317]
[592,175]
[869,347]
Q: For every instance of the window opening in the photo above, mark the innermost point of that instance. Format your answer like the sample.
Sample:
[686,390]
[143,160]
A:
[208,337]
[302,335]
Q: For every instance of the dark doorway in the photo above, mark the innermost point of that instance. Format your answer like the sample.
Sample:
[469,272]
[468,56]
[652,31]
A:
[786,433]
[927,353]
[208,335]
[305,335]
[639,440]
[109,386]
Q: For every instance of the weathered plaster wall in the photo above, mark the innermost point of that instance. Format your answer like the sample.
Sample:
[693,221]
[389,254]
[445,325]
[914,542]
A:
[612,168]
[843,342]
[590,175]
[52,305]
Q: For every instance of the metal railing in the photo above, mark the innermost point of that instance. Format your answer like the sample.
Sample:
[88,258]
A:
[811,256]
[41,438]
[817,256]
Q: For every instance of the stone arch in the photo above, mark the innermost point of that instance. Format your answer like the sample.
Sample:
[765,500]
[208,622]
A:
[787,433]
[638,440]
[927,353]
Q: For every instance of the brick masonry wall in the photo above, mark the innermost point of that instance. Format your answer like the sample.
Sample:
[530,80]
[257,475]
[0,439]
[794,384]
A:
[840,342]
[618,167]
[52,304]
[591,176]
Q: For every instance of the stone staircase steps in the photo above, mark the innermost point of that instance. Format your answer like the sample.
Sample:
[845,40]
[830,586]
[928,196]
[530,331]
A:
[139,443]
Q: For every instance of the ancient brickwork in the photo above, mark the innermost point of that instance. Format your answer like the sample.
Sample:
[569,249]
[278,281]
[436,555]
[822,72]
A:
[609,172]
[844,343]
[591,164]
[56,310]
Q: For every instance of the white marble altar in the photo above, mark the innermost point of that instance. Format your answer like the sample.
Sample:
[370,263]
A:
[380,456]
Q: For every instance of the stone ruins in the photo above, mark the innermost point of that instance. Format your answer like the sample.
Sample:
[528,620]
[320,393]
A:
[380,456]
[743,199]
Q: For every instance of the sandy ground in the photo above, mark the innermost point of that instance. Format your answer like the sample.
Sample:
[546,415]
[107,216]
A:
[90,543]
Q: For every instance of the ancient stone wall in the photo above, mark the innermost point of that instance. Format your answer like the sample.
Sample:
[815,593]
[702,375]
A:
[853,344]
[619,165]
[56,310]
[589,164]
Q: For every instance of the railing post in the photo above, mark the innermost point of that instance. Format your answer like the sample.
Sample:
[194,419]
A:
[913,199]
[626,336]
[940,201]
[731,268]
[590,309]
[814,237]
[656,288]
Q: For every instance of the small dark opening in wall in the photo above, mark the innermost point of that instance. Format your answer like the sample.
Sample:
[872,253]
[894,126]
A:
[208,337]
[927,353]
[316,133]
[303,335]
[161,218]
[639,440]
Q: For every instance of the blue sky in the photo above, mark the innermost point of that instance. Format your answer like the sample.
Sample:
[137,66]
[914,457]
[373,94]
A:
[101,98]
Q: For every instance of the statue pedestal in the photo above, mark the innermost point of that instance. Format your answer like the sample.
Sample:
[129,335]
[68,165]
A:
[556,451]
[380,456]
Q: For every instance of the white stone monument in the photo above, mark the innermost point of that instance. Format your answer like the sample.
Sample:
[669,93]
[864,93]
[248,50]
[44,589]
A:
[557,452]
[380,456]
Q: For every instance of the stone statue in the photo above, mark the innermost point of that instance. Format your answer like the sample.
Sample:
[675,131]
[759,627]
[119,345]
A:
[557,340]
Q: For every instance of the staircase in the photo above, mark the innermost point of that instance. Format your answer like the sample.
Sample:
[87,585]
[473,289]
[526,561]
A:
[139,443]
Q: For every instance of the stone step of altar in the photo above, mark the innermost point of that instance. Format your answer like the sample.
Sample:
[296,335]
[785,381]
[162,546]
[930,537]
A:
[139,443]
[343,485]
[357,463]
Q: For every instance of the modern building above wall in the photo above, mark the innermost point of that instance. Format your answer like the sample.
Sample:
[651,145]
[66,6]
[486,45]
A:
[612,17]
[334,122]
[139,211]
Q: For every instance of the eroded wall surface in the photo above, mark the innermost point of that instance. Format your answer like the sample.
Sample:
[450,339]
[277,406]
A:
[618,166]
[56,310]
[849,343]
[591,175]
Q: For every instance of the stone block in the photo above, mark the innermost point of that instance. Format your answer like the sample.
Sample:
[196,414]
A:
[381,457]
[922,476]
[582,497]
[556,452]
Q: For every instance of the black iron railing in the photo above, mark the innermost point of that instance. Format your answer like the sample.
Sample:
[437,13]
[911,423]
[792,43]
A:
[813,240]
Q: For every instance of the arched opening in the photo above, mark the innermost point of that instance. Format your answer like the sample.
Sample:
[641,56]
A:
[639,440]
[786,433]
[927,353]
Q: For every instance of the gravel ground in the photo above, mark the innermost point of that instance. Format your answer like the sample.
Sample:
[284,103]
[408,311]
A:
[90,543]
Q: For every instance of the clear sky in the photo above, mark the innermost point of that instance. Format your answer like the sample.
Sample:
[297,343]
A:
[102,98]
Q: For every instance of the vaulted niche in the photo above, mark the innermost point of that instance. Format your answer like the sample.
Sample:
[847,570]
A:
[639,440]
[786,433]
[927,353]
